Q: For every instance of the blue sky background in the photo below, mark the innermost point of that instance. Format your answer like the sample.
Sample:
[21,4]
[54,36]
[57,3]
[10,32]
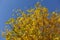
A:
[6,7]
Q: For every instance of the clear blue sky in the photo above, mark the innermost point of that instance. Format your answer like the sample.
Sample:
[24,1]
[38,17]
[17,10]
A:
[6,7]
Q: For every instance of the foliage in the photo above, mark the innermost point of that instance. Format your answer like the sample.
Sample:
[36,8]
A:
[36,25]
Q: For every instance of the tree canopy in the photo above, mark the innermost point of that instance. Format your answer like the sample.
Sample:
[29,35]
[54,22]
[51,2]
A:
[35,25]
